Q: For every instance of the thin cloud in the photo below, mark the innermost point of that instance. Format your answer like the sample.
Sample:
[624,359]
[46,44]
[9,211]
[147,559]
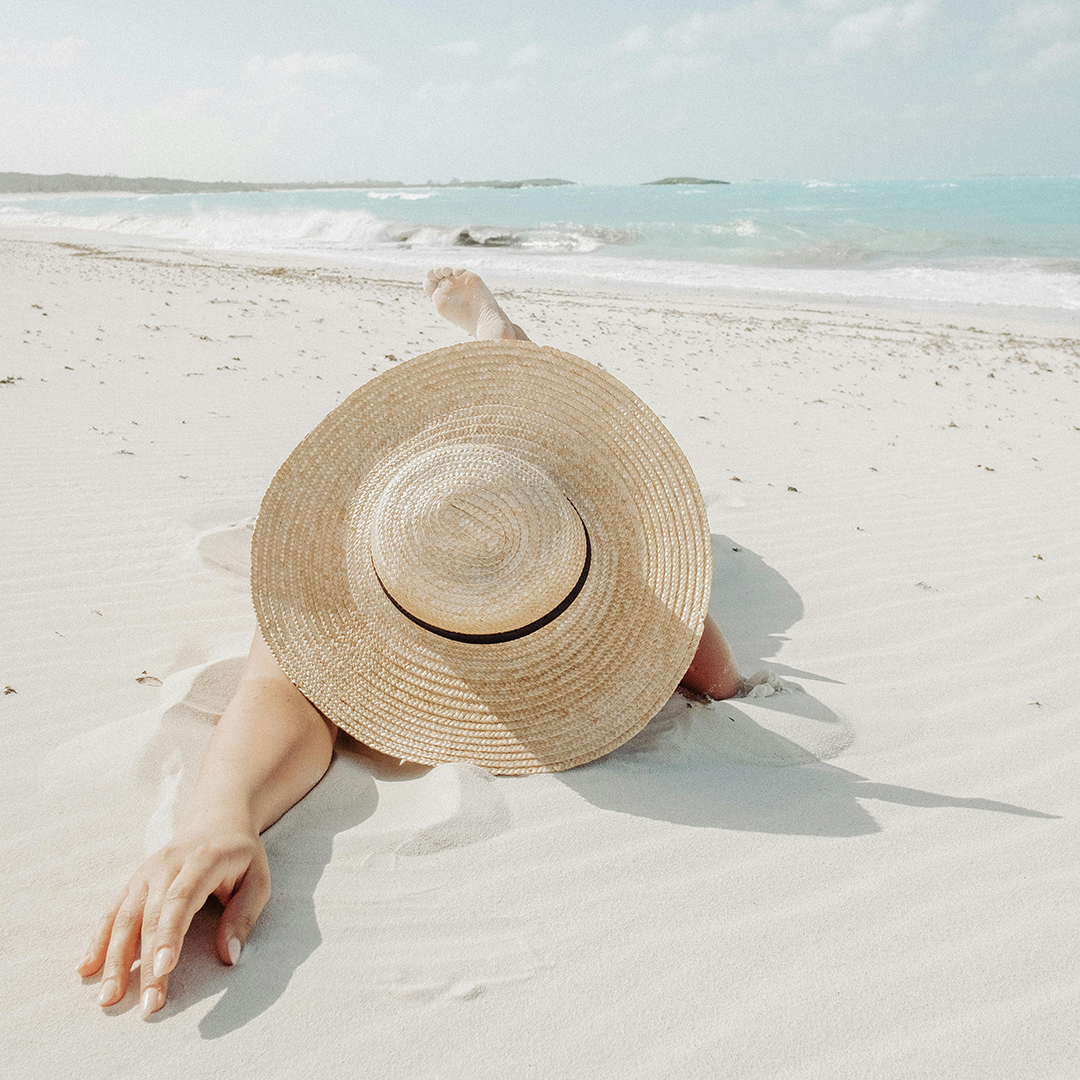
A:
[526,57]
[756,17]
[36,53]
[450,92]
[694,44]
[457,48]
[1032,22]
[674,65]
[914,15]
[1053,59]
[857,33]
[304,63]
[637,40]
[900,23]
[1039,19]
[194,99]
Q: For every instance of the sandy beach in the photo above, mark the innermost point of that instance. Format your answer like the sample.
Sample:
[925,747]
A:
[869,875]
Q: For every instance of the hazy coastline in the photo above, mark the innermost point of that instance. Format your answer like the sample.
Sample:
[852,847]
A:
[16,183]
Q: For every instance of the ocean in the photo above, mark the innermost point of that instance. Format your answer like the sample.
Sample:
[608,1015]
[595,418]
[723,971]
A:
[994,240]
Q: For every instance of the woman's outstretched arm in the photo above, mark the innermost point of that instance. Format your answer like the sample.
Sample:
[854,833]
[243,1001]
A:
[270,748]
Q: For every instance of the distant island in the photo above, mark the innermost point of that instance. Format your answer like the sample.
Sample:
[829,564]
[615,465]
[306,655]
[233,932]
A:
[12,183]
[683,180]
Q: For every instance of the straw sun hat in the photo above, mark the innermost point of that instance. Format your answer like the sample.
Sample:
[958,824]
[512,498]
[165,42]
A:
[493,553]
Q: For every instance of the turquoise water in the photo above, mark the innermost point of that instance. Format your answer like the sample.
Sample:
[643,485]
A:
[987,240]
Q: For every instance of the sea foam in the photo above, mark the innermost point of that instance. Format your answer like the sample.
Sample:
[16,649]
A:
[995,241]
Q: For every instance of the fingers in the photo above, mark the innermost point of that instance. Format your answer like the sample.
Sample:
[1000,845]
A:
[152,915]
[99,943]
[169,912]
[124,935]
[243,909]
[152,986]
[186,894]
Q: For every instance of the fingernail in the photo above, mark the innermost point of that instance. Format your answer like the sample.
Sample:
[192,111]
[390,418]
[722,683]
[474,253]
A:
[234,948]
[83,962]
[151,1001]
[108,992]
[163,961]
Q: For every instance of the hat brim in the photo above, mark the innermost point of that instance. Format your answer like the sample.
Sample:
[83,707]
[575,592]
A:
[570,691]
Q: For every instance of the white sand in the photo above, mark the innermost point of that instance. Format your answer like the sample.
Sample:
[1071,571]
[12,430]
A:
[873,875]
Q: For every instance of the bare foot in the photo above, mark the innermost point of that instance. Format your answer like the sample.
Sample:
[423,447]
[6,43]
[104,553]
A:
[461,297]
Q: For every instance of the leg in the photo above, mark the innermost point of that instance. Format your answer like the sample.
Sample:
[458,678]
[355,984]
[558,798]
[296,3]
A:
[713,671]
[461,297]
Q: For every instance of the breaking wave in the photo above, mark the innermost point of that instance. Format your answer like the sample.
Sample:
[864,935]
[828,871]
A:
[325,230]
[981,241]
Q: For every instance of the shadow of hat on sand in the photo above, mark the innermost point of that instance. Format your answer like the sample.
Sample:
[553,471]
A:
[715,766]
[718,766]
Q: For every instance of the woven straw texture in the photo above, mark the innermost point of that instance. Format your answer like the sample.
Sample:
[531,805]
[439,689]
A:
[469,489]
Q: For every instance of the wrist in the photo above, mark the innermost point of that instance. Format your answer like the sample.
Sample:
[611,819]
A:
[219,818]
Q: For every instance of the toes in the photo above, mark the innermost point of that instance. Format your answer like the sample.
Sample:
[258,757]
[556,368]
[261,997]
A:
[440,275]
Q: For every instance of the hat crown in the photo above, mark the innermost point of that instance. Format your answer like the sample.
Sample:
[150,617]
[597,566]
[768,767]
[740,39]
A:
[472,539]
[531,699]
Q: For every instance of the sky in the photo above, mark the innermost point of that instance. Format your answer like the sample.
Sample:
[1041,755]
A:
[596,92]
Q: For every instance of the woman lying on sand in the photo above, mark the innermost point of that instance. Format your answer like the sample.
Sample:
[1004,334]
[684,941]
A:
[272,745]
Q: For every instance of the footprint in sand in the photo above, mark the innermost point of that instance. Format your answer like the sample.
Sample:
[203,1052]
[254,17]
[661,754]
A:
[143,766]
[228,548]
[447,937]
[450,806]
[467,805]
[461,969]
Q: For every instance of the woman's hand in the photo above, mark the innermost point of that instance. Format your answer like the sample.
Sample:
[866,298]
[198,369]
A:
[268,750]
[155,909]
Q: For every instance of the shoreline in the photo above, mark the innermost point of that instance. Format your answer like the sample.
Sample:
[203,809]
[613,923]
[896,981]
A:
[1062,322]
